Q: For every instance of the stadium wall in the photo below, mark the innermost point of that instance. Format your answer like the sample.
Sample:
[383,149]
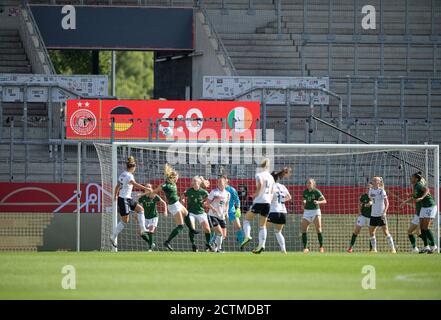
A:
[60,234]
[171,76]
[44,231]
[207,62]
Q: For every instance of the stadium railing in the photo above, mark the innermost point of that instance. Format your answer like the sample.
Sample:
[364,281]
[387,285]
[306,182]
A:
[21,155]
[33,41]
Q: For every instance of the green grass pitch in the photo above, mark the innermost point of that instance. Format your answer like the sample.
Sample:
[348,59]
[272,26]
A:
[159,275]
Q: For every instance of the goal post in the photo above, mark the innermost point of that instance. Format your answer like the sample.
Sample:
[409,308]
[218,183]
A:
[341,172]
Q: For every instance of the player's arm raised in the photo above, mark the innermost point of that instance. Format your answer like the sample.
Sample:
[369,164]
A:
[164,205]
[137,185]
[158,189]
[407,201]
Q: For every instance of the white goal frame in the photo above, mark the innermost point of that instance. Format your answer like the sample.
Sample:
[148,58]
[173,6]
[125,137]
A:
[360,147]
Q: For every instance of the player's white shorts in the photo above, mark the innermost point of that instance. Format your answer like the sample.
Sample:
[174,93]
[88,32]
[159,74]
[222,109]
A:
[175,207]
[428,212]
[202,217]
[415,220]
[153,222]
[363,221]
[310,215]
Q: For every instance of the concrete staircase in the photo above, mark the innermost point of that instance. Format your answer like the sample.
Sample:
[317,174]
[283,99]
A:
[12,54]
[263,54]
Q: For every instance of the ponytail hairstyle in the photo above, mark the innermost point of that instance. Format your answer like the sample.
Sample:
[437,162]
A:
[264,165]
[419,177]
[281,174]
[170,174]
[131,163]
[381,181]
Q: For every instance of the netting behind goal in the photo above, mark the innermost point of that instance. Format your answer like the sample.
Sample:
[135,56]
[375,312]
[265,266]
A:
[341,174]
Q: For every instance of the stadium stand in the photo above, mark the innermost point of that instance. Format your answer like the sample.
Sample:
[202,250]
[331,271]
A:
[392,72]
[389,78]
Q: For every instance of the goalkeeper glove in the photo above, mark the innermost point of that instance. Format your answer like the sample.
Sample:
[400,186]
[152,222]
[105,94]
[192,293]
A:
[238,213]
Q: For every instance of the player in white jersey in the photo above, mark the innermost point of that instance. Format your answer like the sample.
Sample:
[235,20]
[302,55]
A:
[380,205]
[278,210]
[261,205]
[218,200]
[123,196]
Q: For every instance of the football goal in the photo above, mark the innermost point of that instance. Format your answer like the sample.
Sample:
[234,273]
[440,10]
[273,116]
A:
[341,172]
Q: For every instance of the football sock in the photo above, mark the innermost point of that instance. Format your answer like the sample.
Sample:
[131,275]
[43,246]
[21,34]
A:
[239,236]
[191,235]
[246,228]
[430,239]
[412,240]
[119,227]
[145,237]
[218,241]
[390,241]
[141,222]
[262,236]
[150,236]
[207,238]
[304,239]
[374,243]
[212,236]
[353,238]
[281,240]
[175,232]
[320,239]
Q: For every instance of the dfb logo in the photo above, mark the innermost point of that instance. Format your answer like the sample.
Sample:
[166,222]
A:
[69,21]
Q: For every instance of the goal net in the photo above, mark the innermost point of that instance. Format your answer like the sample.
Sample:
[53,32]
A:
[341,172]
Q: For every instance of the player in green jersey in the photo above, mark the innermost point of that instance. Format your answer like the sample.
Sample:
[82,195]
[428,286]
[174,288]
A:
[195,198]
[414,226]
[312,199]
[149,201]
[427,211]
[364,214]
[174,206]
